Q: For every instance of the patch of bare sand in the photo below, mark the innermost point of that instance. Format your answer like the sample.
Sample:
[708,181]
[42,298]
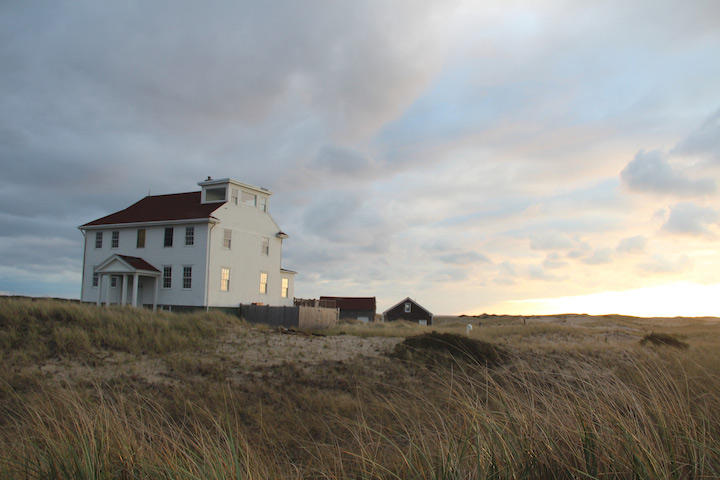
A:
[247,350]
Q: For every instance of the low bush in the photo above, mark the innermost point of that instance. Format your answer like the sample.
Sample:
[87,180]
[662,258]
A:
[663,340]
[435,345]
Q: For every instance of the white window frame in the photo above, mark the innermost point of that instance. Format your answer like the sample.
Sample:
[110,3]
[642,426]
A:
[171,238]
[189,236]
[224,279]
[227,239]
[115,239]
[187,279]
[408,307]
[234,196]
[262,203]
[98,240]
[263,283]
[167,279]
[265,248]
[285,289]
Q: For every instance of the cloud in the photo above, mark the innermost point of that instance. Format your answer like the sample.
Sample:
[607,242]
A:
[650,172]
[635,245]
[553,261]
[463,258]
[550,241]
[599,257]
[688,218]
[659,264]
[704,142]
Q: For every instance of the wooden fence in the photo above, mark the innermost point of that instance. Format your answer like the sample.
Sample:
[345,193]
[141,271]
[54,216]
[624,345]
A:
[290,317]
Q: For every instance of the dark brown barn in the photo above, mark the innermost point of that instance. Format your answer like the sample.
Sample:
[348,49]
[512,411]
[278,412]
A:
[356,308]
[408,310]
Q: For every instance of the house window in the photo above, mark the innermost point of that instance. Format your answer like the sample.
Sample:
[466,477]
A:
[234,196]
[227,238]
[96,279]
[115,239]
[225,279]
[248,199]
[408,307]
[285,287]
[167,277]
[98,239]
[215,194]
[263,282]
[189,236]
[168,236]
[141,238]
[265,246]
[262,204]
[187,277]
[113,281]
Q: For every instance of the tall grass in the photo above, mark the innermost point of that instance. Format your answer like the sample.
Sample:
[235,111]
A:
[629,412]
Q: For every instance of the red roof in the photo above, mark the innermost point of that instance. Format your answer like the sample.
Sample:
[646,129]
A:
[159,208]
[138,263]
[353,303]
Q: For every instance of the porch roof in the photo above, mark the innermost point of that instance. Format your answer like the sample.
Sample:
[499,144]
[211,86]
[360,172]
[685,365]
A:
[126,264]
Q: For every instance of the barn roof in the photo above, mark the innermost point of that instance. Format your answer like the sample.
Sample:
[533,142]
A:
[353,303]
[159,208]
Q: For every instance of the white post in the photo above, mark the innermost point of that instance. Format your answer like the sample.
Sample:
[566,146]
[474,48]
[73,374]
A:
[107,292]
[123,290]
[135,290]
[155,293]
[100,285]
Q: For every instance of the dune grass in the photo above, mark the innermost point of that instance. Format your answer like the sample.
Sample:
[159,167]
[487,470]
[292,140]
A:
[630,410]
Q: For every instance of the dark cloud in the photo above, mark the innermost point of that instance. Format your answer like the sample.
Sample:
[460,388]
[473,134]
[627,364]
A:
[650,172]
[688,218]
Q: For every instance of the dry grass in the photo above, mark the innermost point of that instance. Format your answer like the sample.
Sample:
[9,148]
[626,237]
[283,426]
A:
[208,404]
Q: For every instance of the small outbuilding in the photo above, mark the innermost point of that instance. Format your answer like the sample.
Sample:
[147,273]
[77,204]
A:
[410,311]
[355,308]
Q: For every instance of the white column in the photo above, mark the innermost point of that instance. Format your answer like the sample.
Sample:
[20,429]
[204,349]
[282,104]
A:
[107,292]
[155,293]
[123,290]
[135,290]
[99,299]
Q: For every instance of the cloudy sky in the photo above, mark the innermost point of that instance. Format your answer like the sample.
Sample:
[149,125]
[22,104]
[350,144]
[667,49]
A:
[477,156]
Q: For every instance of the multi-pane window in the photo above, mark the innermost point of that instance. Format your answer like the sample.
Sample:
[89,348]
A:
[113,281]
[227,238]
[96,279]
[248,199]
[141,238]
[187,277]
[168,236]
[265,246]
[263,282]
[167,277]
[262,204]
[115,239]
[189,236]
[285,287]
[98,239]
[234,196]
[225,279]
[408,307]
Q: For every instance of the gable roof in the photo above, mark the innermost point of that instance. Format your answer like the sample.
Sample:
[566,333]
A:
[408,299]
[136,264]
[353,303]
[159,208]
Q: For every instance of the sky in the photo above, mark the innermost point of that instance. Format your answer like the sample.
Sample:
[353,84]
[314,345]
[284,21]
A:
[508,157]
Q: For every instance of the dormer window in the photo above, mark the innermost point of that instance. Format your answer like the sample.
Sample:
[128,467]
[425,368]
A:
[262,204]
[215,194]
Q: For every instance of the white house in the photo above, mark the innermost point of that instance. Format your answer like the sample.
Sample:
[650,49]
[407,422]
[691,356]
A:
[217,247]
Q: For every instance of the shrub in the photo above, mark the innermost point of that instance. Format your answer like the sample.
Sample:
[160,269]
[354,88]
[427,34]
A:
[434,345]
[663,340]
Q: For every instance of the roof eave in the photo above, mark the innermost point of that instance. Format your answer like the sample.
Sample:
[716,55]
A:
[152,223]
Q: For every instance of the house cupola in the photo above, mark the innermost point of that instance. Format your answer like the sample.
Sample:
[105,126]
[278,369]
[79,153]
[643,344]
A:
[227,190]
